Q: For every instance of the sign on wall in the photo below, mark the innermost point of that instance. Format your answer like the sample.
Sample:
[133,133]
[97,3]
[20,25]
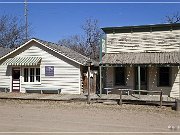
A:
[49,70]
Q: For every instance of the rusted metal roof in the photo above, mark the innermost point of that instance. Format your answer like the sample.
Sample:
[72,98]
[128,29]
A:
[142,58]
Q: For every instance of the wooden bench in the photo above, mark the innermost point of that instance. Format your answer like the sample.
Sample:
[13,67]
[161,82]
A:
[108,90]
[43,89]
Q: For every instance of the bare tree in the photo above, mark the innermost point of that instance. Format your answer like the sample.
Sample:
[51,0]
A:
[12,32]
[74,42]
[175,18]
[88,43]
[92,37]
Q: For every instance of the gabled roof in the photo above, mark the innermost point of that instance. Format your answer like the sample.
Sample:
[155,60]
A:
[142,58]
[62,50]
[67,52]
[4,51]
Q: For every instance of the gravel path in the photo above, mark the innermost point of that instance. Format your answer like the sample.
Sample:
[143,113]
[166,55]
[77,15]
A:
[39,116]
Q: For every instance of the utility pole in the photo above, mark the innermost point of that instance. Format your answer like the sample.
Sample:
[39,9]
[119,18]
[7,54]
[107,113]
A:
[26,18]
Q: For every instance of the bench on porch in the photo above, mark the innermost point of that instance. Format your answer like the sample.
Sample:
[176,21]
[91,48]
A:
[42,89]
[110,89]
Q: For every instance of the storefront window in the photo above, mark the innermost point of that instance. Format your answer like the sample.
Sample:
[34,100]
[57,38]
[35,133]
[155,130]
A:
[164,76]
[120,76]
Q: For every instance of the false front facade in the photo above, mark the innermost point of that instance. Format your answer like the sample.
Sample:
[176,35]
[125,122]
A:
[142,58]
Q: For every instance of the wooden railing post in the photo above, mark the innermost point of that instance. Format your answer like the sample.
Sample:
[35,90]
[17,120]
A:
[161,99]
[120,100]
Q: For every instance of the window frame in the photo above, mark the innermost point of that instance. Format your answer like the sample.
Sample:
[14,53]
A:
[115,83]
[34,82]
[170,77]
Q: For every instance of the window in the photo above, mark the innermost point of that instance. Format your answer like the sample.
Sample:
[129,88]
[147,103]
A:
[120,76]
[164,76]
[31,74]
[26,74]
[37,74]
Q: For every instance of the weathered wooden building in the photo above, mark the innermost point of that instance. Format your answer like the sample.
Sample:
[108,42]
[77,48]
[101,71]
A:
[39,64]
[143,57]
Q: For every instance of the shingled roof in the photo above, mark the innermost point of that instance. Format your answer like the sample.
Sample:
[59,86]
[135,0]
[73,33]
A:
[142,58]
[4,51]
[67,52]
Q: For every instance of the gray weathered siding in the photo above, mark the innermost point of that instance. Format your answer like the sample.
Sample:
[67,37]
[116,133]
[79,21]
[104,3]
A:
[110,78]
[143,41]
[172,91]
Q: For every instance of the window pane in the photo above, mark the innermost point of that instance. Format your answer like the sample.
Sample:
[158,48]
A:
[25,74]
[31,74]
[37,74]
[37,71]
[119,76]
[164,77]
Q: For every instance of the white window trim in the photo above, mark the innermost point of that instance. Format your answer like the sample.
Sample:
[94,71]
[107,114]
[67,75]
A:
[29,75]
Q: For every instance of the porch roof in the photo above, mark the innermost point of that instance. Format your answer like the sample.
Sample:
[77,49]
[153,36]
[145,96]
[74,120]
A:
[22,61]
[142,58]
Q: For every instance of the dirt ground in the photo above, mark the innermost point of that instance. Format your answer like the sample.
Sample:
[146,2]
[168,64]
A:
[40,117]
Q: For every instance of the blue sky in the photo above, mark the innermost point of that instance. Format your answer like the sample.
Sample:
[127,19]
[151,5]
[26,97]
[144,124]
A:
[52,22]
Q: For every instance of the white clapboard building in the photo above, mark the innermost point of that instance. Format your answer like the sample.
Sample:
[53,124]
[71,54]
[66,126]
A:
[39,64]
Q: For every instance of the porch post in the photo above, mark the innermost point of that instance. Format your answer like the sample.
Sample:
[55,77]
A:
[89,85]
[100,67]
[139,79]
[179,82]
[100,87]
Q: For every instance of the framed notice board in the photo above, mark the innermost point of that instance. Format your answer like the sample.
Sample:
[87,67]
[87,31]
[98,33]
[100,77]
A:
[49,70]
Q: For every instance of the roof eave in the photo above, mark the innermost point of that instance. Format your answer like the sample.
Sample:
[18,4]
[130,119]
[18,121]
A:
[108,30]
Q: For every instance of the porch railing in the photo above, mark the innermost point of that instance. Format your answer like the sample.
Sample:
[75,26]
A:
[128,90]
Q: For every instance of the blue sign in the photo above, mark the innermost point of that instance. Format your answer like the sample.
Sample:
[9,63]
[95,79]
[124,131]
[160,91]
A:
[49,70]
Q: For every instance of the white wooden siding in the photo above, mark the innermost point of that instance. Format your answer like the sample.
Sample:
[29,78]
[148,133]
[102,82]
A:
[66,73]
[5,78]
[143,41]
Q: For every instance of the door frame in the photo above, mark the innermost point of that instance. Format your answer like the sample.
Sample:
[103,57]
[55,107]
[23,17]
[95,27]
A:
[17,68]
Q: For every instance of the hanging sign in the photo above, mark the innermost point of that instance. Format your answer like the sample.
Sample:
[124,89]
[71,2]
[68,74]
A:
[103,42]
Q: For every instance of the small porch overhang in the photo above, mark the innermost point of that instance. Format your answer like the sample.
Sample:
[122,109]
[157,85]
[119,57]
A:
[22,61]
[141,58]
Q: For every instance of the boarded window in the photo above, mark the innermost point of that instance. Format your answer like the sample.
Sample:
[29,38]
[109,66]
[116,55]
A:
[164,76]
[120,76]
